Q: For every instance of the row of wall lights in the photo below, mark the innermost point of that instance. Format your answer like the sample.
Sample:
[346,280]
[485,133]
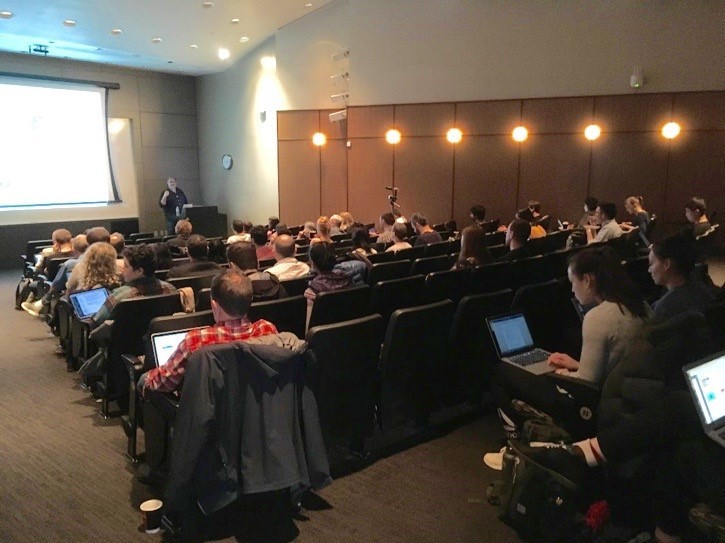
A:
[520,133]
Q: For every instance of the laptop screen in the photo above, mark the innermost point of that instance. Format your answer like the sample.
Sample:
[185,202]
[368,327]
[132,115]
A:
[511,333]
[88,302]
[707,382]
[165,343]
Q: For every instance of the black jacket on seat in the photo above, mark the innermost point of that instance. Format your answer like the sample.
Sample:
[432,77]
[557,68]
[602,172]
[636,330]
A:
[246,424]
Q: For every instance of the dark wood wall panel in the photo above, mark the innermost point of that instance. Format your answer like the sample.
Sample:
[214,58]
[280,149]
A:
[424,119]
[560,185]
[697,168]
[700,110]
[629,164]
[486,118]
[369,121]
[334,177]
[557,115]
[633,112]
[423,173]
[370,170]
[486,173]
[299,181]
[297,125]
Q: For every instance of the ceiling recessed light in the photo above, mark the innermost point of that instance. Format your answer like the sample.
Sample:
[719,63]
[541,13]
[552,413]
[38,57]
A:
[116,31]
[70,23]
[6,14]
[308,5]
[223,53]
[170,61]
[157,40]
[194,46]
[208,4]
[234,21]
[244,39]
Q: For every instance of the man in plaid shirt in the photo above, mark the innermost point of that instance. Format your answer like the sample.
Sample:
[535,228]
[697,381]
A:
[231,296]
[139,265]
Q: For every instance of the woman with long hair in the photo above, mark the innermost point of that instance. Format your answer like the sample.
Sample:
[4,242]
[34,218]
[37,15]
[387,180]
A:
[100,267]
[634,206]
[473,248]
[323,231]
[347,221]
[360,243]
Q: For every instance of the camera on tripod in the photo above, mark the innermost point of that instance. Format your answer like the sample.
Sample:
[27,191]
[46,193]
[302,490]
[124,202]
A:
[392,198]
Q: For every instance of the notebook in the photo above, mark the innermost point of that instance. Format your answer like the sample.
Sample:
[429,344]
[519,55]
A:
[165,343]
[86,303]
[706,379]
[514,344]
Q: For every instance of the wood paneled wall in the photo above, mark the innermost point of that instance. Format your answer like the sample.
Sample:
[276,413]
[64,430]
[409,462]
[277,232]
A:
[555,165]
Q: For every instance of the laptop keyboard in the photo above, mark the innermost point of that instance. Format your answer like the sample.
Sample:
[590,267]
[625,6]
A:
[530,357]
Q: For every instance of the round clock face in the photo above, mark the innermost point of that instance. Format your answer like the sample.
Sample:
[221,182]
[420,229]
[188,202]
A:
[227,162]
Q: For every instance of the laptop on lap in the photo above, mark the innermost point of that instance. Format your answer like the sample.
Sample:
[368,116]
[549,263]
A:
[706,380]
[164,344]
[514,344]
[86,303]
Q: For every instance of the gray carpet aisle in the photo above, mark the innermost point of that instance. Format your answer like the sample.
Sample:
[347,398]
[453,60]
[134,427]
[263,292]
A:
[64,477]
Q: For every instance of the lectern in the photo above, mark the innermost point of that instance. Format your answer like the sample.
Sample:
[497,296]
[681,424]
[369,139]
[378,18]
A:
[207,221]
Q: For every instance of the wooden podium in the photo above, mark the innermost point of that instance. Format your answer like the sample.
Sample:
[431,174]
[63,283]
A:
[207,221]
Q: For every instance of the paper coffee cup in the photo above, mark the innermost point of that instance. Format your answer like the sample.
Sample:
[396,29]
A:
[151,510]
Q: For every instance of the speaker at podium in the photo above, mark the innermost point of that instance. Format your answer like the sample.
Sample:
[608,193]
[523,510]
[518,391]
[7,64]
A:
[207,221]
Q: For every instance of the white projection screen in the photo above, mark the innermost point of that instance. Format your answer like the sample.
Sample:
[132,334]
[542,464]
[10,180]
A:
[55,161]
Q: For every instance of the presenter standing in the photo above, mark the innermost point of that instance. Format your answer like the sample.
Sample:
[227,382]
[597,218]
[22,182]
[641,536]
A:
[174,203]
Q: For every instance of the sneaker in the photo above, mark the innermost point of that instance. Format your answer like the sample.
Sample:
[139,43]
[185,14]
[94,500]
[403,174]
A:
[28,306]
[494,460]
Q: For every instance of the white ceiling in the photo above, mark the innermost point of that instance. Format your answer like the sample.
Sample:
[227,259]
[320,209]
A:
[179,23]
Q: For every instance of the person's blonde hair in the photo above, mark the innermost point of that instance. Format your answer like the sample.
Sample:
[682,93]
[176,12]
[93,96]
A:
[323,226]
[100,266]
[347,220]
[183,228]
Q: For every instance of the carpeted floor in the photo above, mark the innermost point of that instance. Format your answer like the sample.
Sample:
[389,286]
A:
[65,479]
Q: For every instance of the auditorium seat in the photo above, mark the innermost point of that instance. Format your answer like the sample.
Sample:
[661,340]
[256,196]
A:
[449,284]
[383,256]
[497,251]
[340,305]
[491,277]
[535,269]
[638,271]
[412,253]
[388,270]
[287,314]
[548,312]
[389,296]
[424,266]
[494,238]
[437,249]
[296,286]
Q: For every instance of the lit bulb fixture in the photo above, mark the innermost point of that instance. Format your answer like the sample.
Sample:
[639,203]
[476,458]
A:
[392,136]
[592,132]
[244,39]
[234,21]
[520,134]
[6,14]
[268,63]
[116,31]
[223,53]
[70,23]
[208,4]
[454,135]
[319,139]
[156,40]
[671,130]
[194,46]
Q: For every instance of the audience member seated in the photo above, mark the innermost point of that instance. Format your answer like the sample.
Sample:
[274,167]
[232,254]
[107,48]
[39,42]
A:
[139,265]
[100,268]
[265,286]
[478,214]
[671,264]
[287,266]
[604,217]
[399,216]
[199,265]
[327,278]
[272,223]
[323,231]
[309,230]
[347,221]
[618,315]
[177,245]
[473,248]
[695,211]
[385,224]
[119,243]
[241,231]
[633,205]
[96,234]
[517,234]
[335,224]
[400,232]
[162,253]
[531,212]
[426,234]
[360,243]
[62,246]
[590,207]
[259,239]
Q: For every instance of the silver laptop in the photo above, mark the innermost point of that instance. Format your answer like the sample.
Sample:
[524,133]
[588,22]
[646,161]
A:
[514,343]
[165,343]
[86,303]
[706,379]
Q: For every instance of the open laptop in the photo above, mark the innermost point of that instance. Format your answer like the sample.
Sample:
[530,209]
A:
[87,302]
[706,379]
[164,344]
[514,344]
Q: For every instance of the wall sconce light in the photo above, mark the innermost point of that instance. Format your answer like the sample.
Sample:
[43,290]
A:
[520,134]
[340,79]
[592,132]
[341,56]
[454,135]
[671,130]
[268,63]
[343,96]
[393,136]
[319,139]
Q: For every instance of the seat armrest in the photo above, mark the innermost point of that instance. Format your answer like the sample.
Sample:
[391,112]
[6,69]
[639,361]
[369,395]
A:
[134,364]
[584,392]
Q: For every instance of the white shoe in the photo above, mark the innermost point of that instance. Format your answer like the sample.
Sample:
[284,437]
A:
[494,460]
[28,306]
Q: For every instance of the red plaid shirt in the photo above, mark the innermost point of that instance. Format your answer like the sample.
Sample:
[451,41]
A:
[168,377]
